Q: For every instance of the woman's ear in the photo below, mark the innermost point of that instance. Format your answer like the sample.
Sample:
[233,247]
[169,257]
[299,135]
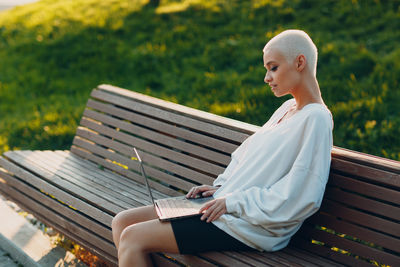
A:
[301,62]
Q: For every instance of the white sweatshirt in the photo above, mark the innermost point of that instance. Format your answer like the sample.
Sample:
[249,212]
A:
[276,178]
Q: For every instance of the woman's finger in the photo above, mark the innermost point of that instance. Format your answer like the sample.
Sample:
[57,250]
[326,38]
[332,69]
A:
[214,213]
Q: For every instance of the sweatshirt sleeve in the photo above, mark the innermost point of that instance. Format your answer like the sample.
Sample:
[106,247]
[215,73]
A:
[299,193]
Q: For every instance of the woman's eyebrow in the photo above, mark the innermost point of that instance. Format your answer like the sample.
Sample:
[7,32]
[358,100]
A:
[269,63]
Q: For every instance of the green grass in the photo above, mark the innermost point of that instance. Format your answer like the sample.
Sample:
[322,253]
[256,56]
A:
[204,54]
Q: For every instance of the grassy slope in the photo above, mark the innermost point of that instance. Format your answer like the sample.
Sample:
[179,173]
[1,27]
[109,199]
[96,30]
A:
[205,54]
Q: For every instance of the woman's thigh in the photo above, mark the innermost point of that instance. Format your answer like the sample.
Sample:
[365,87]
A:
[150,236]
[134,215]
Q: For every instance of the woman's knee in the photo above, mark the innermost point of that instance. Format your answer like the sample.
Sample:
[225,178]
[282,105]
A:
[132,238]
[118,221]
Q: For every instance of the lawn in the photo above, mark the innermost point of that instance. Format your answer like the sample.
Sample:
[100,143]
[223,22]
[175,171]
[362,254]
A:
[203,54]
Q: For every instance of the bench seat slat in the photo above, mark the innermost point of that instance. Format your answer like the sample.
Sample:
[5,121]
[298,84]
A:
[253,261]
[133,165]
[45,162]
[157,162]
[57,221]
[69,199]
[351,246]
[266,260]
[162,151]
[221,259]
[65,185]
[173,118]
[122,171]
[53,204]
[319,261]
[191,260]
[178,132]
[367,189]
[119,190]
[293,259]
[363,203]
[158,136]
[325,252]
[114,180]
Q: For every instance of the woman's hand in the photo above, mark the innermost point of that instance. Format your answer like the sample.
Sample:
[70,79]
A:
[213,209]
[202,190]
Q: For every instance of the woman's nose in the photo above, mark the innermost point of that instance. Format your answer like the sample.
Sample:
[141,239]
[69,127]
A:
[267,78]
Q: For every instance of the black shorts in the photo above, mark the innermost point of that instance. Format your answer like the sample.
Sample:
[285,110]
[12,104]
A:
[194,235]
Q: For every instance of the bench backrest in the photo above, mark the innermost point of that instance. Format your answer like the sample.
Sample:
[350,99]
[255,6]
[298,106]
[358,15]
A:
[182,147]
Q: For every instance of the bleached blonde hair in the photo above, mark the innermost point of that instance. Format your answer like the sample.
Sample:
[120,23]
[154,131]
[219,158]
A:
[292,43]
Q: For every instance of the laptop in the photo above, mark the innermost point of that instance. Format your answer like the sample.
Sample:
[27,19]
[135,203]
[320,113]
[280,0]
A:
[173,207]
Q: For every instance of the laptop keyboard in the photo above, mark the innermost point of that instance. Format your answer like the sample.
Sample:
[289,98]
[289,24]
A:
[177,207]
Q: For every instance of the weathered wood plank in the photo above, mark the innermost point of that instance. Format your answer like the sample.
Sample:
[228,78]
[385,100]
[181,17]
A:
[123,171]
[164,138]
[355,230]
[364,188]
[56,206]
[154,123]
[363,203]
[59,194]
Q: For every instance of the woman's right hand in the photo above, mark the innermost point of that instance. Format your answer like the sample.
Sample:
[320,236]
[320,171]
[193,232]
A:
[202,190]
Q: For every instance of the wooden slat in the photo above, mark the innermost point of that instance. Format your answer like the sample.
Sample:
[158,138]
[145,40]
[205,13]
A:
[41,160]
[121,184]
[246,258]
[368,173]
[59,194]
[191,160]
[351,246]
[319,261]
[355,216]
[147,158]
[161,261]
[328,253]
[174,130]
[355,230]
[366,159]
[191,260]
[117,195]
[159,136]
[122,171]
[293,259]
[363,203]
[65,185]
[238,128]
[56,206]
[364,188]
[221,259]
[56,220]
[133,165]
[170,117]
[263,258]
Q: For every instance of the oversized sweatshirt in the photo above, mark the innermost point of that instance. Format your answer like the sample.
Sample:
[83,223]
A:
[277,177]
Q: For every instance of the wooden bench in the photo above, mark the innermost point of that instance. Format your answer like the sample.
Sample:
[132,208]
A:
[79,191]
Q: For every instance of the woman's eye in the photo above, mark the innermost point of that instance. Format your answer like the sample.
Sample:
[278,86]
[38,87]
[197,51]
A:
[275,68]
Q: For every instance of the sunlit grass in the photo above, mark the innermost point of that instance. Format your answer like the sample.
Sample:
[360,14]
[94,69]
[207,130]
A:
[204,54]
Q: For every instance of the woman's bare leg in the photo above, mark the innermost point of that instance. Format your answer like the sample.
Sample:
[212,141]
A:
[140,239]
[130,217]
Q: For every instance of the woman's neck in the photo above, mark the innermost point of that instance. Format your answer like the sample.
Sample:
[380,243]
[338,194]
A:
[308,92]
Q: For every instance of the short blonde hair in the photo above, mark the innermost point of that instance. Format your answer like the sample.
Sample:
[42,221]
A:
[292,43]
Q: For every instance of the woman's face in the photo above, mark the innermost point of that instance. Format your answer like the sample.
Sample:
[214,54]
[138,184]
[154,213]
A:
[281,75]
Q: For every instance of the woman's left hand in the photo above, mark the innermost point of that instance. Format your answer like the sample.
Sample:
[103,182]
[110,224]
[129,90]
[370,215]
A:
[213,209]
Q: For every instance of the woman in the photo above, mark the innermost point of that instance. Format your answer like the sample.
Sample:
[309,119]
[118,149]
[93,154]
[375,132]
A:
[275,180]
